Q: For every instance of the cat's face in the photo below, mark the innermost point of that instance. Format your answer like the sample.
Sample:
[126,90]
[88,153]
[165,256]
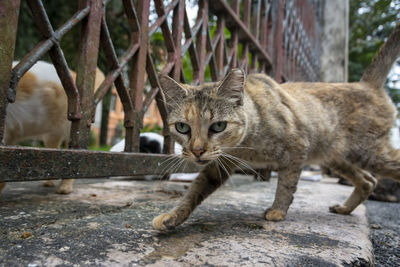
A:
[206,119]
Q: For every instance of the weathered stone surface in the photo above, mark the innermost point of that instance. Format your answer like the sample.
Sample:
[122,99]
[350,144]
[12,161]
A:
[108,222]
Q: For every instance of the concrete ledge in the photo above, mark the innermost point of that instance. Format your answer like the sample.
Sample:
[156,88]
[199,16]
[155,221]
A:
[108,222]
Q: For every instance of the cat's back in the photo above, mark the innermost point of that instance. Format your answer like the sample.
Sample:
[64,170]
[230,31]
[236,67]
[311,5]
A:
[40,107]
[344,96]
[330,107]
[40,81]
[357,106]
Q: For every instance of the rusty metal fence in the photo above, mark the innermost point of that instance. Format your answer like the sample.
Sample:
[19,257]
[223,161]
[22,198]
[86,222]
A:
[278,37]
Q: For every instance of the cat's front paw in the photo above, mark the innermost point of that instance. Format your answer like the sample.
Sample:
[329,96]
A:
[66,186]
[48,183]
[2,185]
[165,221]
[340,209]
[274,215]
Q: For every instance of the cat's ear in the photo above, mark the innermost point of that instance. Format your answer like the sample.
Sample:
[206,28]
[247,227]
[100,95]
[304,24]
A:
[172,90]
[232,87]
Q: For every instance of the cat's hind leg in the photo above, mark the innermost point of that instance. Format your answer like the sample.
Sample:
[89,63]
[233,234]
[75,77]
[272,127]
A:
[363,182]
[209,179]
[66,185]
[287,185]
[386,165]
[2,185]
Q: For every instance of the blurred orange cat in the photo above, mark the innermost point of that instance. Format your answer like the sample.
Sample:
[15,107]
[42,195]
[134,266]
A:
[40,112]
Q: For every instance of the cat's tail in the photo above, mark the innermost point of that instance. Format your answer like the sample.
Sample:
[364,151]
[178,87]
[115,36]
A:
[378,70]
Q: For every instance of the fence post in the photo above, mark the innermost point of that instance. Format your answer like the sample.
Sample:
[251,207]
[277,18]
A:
[137,80]
[9,12]
[278,10]
[201,38]
[86,72]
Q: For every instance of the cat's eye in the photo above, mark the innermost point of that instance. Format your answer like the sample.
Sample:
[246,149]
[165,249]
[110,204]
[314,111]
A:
[182,128]
[218,127]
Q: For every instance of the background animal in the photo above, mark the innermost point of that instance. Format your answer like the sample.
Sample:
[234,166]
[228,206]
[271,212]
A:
[40,112]
[149,143]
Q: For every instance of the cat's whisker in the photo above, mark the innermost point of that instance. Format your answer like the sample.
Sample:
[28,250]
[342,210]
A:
[177,167]
[166,169]
[219,171]
[242,162]
[170,157]
[167,161]
[238,147]
[234,163]
[224,168]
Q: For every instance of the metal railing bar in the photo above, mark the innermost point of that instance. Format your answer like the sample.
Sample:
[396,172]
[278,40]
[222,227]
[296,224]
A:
[220,47]
[177,32]
[210,56]
[32,164]
[133,20]
[161,19]
[230,13]
[137,76]
[86,72]
[160,100]
[115,75]
[201,39]
[169,41]
[7,43]
[189,43]
[58,59]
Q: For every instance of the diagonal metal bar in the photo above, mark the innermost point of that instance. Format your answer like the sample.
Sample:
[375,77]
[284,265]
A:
[220,49]
[57,57]
[169,41]
[210,56]
[114,76]
[161,19]
[160,100]
[189,44]
[130,12]
[234,21]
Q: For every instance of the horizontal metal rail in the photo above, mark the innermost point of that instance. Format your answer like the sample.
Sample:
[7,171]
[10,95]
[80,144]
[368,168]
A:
[45,163]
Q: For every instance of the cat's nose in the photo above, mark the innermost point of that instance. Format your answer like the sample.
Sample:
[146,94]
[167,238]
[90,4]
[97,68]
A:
[198,151]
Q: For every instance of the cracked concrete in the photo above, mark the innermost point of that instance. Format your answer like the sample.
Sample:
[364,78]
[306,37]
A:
[108,222]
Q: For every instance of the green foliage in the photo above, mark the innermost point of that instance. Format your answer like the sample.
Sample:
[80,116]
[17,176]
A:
[370,23]
[152,128]
[99,148]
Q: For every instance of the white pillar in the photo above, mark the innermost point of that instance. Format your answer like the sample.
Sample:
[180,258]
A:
[334,41]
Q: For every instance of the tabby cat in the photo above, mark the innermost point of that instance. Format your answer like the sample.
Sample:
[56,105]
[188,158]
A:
[254,120]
